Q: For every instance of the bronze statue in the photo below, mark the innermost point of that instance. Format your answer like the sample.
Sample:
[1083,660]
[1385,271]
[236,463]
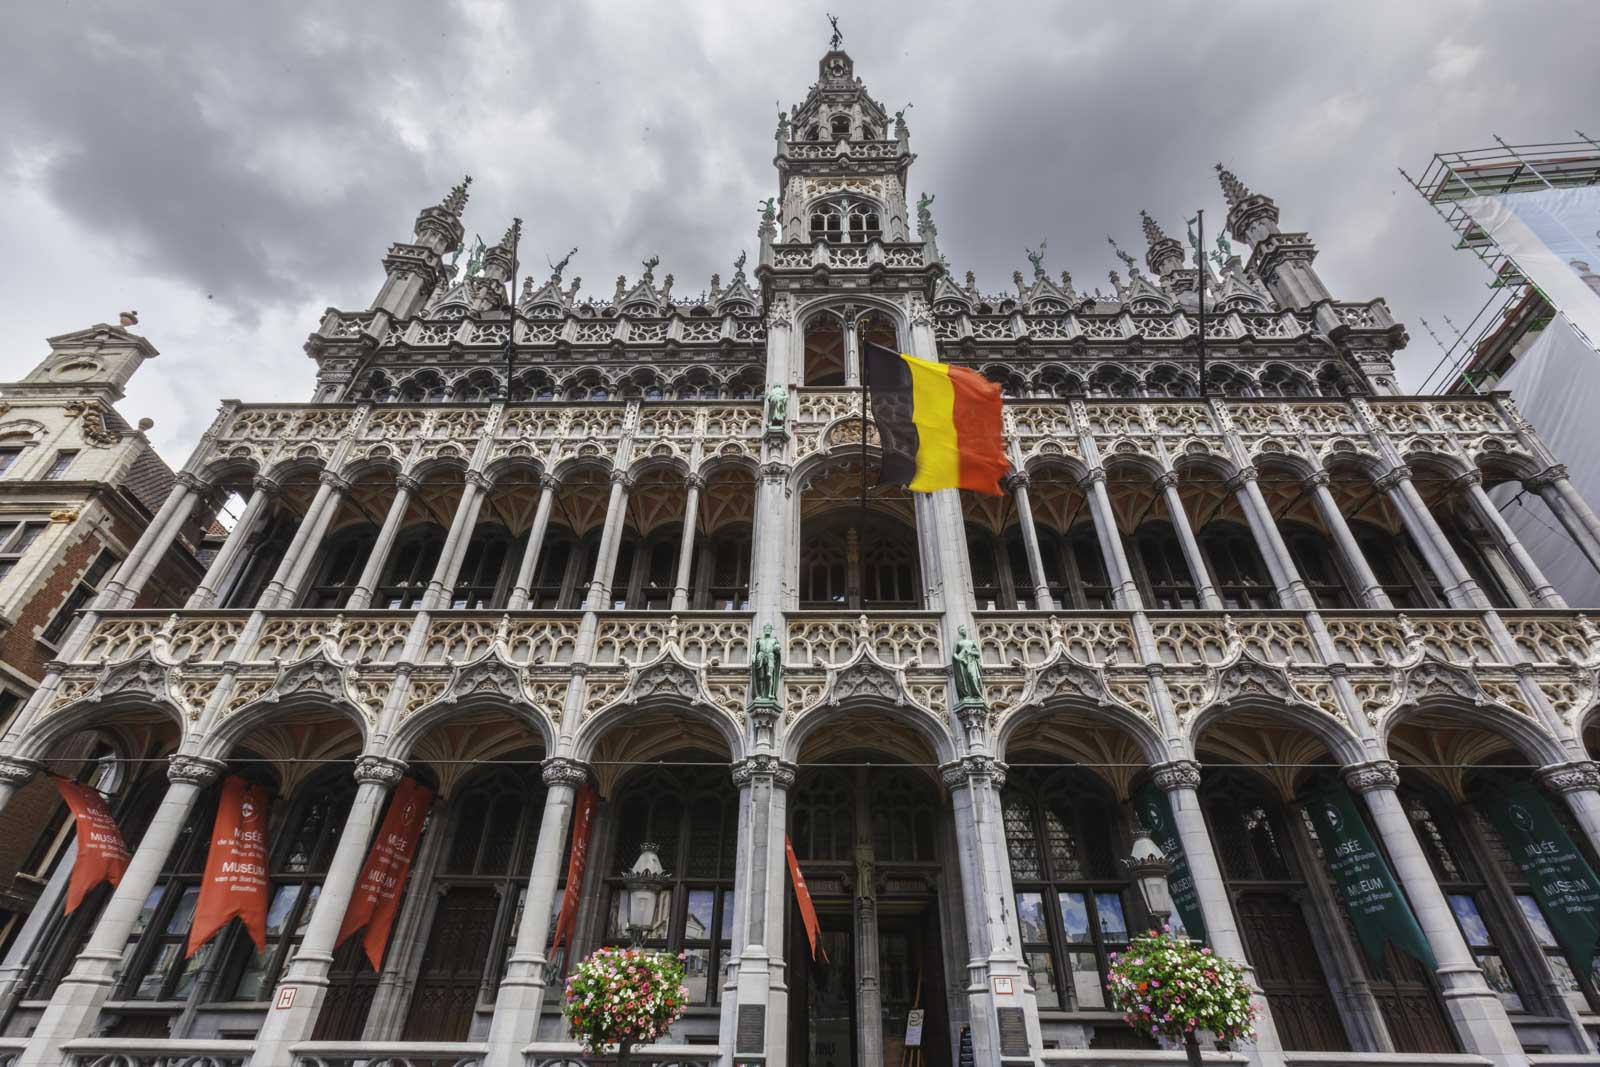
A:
[968,669]
[557,268]
[650,267]
[766,667]
[838,38]
[1037,259]
[769,210]
[777,406]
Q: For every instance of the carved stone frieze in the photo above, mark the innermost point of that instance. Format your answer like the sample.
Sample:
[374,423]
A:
[380,769]
[1177,774]
[559,770]
[1377,774]
[764,765]
[193,770]
[1579,776]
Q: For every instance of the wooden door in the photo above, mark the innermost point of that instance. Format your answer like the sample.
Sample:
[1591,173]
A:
[351,986]
[461,946]
[1286,963]
[1410,1005]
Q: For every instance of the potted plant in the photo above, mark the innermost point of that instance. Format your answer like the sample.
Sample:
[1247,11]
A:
[1168,986]
[624,997]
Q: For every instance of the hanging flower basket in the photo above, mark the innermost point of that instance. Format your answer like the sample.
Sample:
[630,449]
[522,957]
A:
[621,997]
[1168,986]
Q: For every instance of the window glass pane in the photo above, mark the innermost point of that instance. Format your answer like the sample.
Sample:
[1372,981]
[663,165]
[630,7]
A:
[1498,976]
[191,970]
[727,915]
[1075,918]
[305,912]
[697,973]
[147,912]
[253,984]
[697,923]
[1535,920]
[1043,979]
[150,984]
[1473,927]
[1113,926]
[1031,917]
[183,914]
[278,911]
[1086,987]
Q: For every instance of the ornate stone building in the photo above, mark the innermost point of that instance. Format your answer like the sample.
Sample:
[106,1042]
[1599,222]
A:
[510,570]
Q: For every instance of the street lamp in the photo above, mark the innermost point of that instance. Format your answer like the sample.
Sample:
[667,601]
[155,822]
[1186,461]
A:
[1148,867]
[643,884]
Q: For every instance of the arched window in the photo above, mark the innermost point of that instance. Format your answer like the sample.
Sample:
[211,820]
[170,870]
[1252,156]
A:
[1404,578]
[1314,556]
[1070,895]
[1249,828]
[478,386]
[250,580]
[337,572]
[823,818]
[846,219]
[1075,568]
[1479,550]
[824,350]
[1229,381]
[553,576]
[1167,583]
[691,816]
[488,569]
[865,223]
[1057,381]
[1112,382]
[1278,380]
[410,567]
[722,573]
[844,564]
[840,126]
[1001,580]
[493,828]
[647,570]
[424,388]
[1237,567]
[902,806]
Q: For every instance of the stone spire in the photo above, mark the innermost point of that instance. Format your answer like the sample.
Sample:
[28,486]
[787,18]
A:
[1233,190]
[456,201]
[500,261]
[1251,216]
[1164,254]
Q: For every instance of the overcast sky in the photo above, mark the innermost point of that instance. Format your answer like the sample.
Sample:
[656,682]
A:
[230,170]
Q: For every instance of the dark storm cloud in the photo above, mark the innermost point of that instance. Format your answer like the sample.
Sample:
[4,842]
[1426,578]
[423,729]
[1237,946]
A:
[266,154]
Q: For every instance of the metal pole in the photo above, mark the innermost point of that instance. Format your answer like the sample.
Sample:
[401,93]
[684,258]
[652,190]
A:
[1200,262]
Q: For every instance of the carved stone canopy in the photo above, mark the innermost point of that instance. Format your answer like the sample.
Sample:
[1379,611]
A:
[141,676]
[1433,677]
[1248,676]
[864,675]
[489,676]
[1062,675]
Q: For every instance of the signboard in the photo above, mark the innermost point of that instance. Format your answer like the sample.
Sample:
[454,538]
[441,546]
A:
[914,1019]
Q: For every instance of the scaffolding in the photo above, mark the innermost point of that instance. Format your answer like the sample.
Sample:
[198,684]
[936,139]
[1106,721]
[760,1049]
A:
[1453,177]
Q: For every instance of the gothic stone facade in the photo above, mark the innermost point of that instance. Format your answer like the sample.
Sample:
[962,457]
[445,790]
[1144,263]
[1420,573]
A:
[513,576]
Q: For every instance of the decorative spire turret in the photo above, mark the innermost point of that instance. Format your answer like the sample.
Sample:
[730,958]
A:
[1233,190]
[500,262]
[456,201]
[1251,216]
[1164,254]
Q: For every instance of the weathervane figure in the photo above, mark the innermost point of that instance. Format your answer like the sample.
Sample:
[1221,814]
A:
[557,268]
[838,38]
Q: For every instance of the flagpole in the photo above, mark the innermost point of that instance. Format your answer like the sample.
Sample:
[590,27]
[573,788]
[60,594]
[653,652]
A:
[1200,262]
[866,381]
[511,335]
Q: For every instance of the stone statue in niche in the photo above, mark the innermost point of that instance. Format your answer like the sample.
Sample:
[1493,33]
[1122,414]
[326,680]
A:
[766,668]
[968,668]
[777,407]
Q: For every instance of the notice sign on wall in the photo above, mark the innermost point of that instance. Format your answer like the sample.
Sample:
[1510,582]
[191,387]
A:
[235,882]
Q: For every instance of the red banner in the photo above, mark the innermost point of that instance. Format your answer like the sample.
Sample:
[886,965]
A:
[802,896]
[583,814]
[235,882]
[102,857]
[377,896]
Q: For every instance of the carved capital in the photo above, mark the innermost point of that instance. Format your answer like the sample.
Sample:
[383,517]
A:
[1392,478]
[622,478]
[194,483]
[1569,777]
[1547,478]
[1237,483]
[549,482]
[1016,480]
[267,486]
[409,482]
[1178,774]
[1167,480]
[193,770]
[1319,480]
[1463,482]
[763,765]
[335,482]
[697,482]
[969,770]
[1377,774]
[481,480]
[16,771]
[1095,474]
[381,769]
[559,770]
[775,471]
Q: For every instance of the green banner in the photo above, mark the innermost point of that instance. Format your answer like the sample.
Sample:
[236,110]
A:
[1377,908]
[1563,883]
[1155,812]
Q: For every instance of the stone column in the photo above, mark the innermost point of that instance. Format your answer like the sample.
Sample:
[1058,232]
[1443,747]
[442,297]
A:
[15,772]
[974,783]
[691,515]
[205,594]
[852,347]
[1180,780]
[1018,483]
[610,541]
[869,994]
[157,546]
[1460,587]
[272,596]
[1292,591]
[1126,592]
[405,487]
[307,973]
[75,1007]
[1578,783]
[548,484]
[157,540]
[519,1002]
[1478,1016]
[1371,592]
[1168,484]
[761,979]
[443,583]
[1569,508]
[1533,580]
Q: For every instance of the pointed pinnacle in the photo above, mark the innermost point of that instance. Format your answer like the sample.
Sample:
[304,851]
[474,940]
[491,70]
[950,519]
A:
[456,201]
[513,235]
[1152,228]
[1233,190]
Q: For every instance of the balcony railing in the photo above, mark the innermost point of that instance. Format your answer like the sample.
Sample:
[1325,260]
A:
[388,1054]
[151,1052]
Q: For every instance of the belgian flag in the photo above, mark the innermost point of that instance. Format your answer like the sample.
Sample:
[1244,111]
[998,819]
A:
[939,425]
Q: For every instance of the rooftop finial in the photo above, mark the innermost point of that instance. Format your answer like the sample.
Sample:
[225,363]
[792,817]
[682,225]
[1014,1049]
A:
[650,268]
[557,268]
[1152,228]
[513,236]
[456,202]
[838,38]
[1037,259]
[1127,260]
[1233,189]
